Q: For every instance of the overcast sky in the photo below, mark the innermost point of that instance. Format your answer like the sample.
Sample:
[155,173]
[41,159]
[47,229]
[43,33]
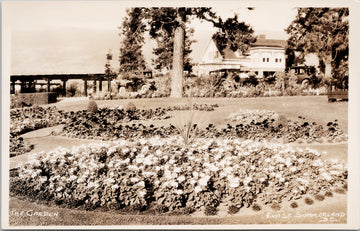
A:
[73,37]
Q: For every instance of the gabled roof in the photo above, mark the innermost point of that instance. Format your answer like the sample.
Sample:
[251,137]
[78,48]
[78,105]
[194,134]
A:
[269,43]
[227,53]
[261,41]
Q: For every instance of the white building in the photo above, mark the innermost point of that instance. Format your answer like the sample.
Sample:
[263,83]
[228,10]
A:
[266,56]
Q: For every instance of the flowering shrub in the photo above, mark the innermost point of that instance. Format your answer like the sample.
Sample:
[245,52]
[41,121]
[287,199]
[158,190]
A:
[162,172]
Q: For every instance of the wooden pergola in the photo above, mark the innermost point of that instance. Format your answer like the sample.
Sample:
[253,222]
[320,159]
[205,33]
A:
[27,82]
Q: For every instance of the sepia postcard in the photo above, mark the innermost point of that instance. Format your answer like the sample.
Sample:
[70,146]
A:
[180,115]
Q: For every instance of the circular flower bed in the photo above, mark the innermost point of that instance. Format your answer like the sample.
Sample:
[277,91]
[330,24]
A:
[162,172]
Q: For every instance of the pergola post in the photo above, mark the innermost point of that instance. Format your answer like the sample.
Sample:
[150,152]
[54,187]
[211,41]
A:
[48,85]
[64,86]
[32,85]
[22,86]
[94,86]
[85,87]
[100,84]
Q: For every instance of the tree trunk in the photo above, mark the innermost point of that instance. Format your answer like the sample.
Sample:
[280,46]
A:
[178,60]
[328,68]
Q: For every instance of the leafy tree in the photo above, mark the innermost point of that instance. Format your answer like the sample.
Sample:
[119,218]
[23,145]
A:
[109,72]
[323,31]
[164,50]
[108,69]
[132,30]
[173,22]
[235,35]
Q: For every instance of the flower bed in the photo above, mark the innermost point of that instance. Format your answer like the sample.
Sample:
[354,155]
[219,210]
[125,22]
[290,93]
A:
[31,118]
[195,106]
[164,174]
[262,127]
[247,116]
[28,119]
[18,146]
[265,123]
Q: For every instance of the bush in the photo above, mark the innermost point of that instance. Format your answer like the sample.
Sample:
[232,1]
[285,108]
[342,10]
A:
[329,194]
[256,207]
[92,106]
[281,121]
[319,197]
[162,86]
[59,91]
[72,90]
[340,191]
[188,210]
[232,209]
[294,205]
[130,107]
[159,209]
[210,210]
[309,201]
[280,80]
[276,206]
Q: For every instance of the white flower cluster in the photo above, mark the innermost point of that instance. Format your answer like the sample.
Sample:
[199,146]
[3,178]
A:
[245,116]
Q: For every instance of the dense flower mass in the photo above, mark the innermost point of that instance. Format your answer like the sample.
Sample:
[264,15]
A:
[97,127]
[27,119]
[162,172]
[195,106]
[32,118]
[246,116]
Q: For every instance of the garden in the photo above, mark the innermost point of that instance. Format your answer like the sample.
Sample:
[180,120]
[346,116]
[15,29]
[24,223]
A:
[215,85]
[219,159]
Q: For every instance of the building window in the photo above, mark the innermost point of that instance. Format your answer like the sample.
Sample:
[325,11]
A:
[280,60]
[264,60]
[267,59]
[276,60]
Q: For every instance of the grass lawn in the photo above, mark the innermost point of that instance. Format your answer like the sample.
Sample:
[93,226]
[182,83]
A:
[304,214]
[313,108]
